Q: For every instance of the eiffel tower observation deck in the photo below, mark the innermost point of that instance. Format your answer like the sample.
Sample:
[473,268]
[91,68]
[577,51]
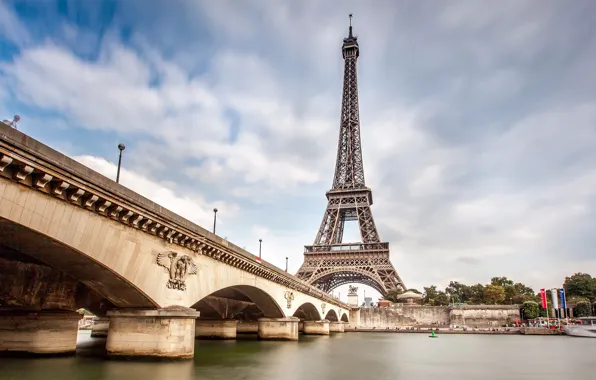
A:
[329,262]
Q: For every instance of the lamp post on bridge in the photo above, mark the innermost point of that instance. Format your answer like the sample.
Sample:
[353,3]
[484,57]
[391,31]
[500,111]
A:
[260,241]
[214,219]
[121,147]
[286,263]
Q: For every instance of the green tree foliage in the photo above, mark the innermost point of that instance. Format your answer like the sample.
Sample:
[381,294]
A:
[392,295]
[503,291]
[582,309]
[531,309]
[581,285]
[494,294]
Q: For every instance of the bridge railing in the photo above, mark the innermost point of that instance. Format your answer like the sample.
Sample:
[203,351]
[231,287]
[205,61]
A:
[19,150]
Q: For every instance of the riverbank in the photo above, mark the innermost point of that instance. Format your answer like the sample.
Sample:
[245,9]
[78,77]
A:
[509,331]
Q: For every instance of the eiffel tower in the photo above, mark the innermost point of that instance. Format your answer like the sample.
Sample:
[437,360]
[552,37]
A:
[329,262]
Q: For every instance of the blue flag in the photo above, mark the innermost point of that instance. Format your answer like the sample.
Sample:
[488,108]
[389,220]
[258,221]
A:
[563,300]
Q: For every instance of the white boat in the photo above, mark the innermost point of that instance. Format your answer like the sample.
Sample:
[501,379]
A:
[587,329]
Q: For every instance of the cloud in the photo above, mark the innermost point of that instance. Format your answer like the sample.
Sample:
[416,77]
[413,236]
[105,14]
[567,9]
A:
[477,126]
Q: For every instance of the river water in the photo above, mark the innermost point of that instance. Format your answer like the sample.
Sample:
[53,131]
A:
[349,356]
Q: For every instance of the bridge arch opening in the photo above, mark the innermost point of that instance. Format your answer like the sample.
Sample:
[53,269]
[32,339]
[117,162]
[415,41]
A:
[97,287]
[242,302]
[307,312]
[332,316]
[344,318]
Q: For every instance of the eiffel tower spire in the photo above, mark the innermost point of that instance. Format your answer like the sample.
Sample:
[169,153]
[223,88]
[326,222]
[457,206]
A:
[329,262]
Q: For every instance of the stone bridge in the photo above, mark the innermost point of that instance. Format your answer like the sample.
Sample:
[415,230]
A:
[72,238]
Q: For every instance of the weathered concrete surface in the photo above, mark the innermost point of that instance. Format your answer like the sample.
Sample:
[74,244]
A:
[336,327]
[247,327]
[33,286]
[38,333]
[483,315]
[316,327]
[100,328]
[278,328]
[164,333]
[539,331]
[401,316]
[215,329]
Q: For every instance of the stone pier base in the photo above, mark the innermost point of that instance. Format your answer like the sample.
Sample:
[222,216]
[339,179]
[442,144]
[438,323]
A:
[247,327]
[316,327]
[100,328]
[161,333]
[38,333]
[215,329]
[278,328]
[301,326]
[336,327]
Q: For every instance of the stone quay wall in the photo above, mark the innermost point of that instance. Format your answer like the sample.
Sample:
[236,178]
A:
[419,316]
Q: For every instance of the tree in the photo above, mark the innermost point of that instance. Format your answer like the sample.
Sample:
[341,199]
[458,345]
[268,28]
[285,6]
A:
[458,292]
[392,295]
[581,285]
[501,281]
[477,295]
[531,309]
[430,294]
[582,309]
[494,294]
[442,299]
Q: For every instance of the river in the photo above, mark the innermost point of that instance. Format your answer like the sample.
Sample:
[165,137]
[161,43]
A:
[349,356]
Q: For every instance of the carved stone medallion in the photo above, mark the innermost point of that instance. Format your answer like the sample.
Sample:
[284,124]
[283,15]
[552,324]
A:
[289,296]
[178,266]
[323,306]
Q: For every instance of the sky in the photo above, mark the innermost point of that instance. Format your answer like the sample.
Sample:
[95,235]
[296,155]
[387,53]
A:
[478,122]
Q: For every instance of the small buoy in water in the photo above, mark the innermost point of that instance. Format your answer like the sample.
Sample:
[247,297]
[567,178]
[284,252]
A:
[432,334]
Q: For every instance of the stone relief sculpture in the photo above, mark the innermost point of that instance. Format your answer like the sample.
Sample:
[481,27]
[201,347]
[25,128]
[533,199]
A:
[179,268]
[323,306]
[289,296]
[352,289]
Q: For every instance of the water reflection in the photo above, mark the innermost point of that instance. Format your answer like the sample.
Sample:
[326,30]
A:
[336,357]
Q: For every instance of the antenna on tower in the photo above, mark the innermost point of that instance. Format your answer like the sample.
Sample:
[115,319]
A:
[350,25]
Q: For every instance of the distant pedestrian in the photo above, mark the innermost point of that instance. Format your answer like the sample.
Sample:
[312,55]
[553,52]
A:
[14,121]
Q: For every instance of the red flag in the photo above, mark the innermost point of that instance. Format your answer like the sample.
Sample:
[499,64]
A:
[258,259]
[543,298]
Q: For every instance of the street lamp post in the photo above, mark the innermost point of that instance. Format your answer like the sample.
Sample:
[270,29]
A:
[214,218]
[260,241]
[286,264]
[121,147]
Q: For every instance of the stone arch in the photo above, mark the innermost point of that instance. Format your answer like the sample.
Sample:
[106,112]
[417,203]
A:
[307,312]
[331,316]
[344,317]
[102,287]
[339,276]
[239,302]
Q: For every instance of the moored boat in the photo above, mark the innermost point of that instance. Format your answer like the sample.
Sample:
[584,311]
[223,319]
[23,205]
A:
[586,329]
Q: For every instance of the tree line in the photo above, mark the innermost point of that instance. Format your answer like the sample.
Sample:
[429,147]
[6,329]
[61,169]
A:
[580,290]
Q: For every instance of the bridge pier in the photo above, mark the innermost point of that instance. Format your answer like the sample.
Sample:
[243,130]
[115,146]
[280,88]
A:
[336,327]
[247,327]
[100,328]
[38,333]
[278,328]
[158,333]
[216,329]
[316,327]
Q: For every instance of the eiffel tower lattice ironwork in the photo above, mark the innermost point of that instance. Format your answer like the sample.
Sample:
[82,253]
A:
[330,262]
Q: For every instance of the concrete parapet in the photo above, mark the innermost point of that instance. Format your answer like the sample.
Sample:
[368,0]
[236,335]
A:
[159,333]
[215,329]
[316,327]
[100,328]
[247,327]
[336,327]
[278,328]
[38,333]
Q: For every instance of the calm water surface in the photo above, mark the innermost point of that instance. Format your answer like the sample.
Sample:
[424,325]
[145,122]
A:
[358,356]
